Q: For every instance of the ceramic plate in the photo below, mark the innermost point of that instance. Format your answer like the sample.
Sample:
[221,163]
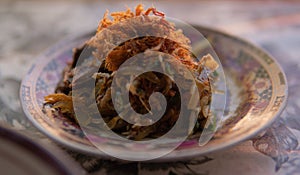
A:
[257,92]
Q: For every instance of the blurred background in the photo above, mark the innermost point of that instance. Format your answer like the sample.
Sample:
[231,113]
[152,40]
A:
[29,27]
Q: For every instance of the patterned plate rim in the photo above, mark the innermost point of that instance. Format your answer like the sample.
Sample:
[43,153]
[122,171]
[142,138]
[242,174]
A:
[176,154]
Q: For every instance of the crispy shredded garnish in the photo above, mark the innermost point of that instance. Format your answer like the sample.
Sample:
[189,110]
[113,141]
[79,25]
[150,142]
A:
[173,41]
[120,16]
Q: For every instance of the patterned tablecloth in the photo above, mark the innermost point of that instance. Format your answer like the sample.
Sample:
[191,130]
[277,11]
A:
[29,27]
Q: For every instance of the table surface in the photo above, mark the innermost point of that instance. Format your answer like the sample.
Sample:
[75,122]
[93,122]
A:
[30,27]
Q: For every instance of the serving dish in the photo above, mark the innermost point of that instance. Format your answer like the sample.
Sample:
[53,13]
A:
[256,85]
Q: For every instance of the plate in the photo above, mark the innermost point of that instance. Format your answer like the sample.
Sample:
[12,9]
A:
[257,93]
[20,155]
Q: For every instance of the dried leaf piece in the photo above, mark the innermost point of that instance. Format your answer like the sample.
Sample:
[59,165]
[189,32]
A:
[53,98]
[113,122]
[60,101]
[209,62]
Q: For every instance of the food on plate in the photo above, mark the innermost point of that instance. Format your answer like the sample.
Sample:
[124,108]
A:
[171,41]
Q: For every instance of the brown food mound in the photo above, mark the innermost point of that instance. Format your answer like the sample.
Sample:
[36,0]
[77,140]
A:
[157,35]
